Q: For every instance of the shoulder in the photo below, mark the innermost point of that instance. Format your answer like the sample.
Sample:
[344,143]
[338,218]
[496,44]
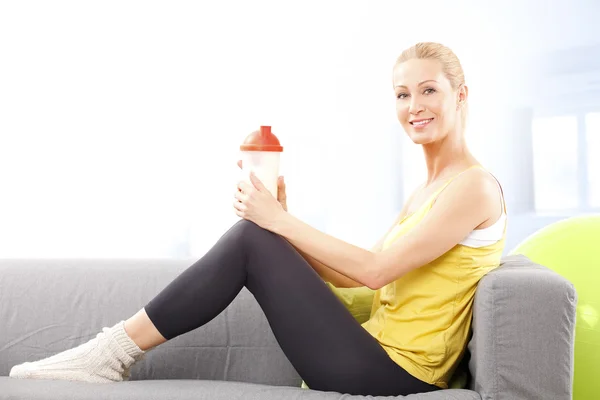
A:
[469,200]
[475,191]
[478,180]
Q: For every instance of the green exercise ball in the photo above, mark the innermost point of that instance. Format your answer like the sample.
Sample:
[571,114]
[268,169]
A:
[571,248]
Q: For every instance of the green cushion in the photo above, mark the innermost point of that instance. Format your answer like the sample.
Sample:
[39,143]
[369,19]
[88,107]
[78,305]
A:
[357,300]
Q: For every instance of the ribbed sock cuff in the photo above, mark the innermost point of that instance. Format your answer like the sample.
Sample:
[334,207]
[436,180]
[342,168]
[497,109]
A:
[125,342]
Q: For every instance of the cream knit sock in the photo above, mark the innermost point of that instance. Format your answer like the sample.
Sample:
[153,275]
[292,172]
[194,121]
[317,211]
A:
[127,370]
[106,358]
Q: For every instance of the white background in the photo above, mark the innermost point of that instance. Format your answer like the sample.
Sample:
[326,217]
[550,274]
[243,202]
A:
[120,121]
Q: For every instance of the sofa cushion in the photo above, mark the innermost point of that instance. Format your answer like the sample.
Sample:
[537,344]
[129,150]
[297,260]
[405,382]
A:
[48,306]
[186,390]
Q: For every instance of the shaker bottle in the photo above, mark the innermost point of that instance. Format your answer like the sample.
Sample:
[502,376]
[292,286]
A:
[261,153]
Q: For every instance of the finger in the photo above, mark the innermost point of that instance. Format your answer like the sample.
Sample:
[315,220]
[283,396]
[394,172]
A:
[239,214]
[281,183]
[281,193]
[256,182]
[239,206]
[245,187]
[281,189]
[239,196]
[239,163]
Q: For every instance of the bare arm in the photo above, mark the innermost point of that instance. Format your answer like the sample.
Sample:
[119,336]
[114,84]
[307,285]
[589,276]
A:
[462,207]
[335,278]
[328,274]
[355,264]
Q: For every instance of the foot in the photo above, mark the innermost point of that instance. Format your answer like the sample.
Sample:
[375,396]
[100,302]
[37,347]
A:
[106,358]
[127,371]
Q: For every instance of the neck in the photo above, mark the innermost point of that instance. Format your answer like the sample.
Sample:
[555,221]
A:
[447,157]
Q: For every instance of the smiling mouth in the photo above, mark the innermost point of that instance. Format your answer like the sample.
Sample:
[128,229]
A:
[422,122]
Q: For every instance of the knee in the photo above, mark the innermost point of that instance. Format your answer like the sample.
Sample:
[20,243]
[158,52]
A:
[250,233]
[247,228]
[253,238]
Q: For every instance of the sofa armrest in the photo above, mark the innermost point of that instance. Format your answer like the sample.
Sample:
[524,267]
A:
[523,333]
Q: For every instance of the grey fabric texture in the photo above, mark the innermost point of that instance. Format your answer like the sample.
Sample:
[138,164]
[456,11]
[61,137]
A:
[523,333]
[50,305]
[47,306]
[14,389]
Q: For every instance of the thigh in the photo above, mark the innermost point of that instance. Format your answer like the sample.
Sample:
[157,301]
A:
[330,350]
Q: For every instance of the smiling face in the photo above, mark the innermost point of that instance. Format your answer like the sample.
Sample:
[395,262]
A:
[426,104]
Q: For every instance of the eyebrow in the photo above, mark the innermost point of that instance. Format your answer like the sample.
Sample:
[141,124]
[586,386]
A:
[429,80]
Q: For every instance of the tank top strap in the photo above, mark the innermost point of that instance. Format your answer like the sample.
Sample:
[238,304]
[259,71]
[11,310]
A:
[449,181]
[502,200]
[501,193]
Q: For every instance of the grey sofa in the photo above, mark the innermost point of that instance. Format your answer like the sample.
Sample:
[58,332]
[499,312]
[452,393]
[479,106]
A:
[521,348]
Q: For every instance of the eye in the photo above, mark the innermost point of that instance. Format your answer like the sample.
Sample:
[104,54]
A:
[429,91]
[401,96]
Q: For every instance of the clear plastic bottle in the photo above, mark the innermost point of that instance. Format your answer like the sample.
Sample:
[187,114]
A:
[261,152]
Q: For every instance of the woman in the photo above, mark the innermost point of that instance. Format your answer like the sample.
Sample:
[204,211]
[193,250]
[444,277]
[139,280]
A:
[424,270]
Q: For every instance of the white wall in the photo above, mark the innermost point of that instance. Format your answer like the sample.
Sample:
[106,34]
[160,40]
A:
[120,121]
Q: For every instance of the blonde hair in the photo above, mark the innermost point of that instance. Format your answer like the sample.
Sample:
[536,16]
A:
[450,65]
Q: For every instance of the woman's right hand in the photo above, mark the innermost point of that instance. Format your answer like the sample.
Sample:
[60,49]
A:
[281,196]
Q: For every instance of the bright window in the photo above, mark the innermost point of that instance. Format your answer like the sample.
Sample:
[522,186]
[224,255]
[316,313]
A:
[555,163]
[592,123]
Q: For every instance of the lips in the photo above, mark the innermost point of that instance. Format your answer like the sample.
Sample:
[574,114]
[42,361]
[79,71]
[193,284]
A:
[421,122]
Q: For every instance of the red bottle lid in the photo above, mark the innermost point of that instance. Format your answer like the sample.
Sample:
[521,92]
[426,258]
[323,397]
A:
[261,140]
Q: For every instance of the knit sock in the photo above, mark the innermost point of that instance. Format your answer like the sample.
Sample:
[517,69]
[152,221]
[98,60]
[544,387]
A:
[127,370]
[106,358]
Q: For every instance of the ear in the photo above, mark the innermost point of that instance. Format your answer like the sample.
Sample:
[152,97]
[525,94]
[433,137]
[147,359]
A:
[463,93]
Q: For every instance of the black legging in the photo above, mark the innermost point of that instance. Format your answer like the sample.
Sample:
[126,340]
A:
[328,348]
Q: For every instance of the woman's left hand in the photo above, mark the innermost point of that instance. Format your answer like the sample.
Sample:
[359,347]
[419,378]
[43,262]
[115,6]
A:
[255,203]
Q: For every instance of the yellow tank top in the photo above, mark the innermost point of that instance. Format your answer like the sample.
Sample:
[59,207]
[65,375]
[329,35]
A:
[422,320]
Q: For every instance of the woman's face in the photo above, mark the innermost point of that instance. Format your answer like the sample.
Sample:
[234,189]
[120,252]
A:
[426,104]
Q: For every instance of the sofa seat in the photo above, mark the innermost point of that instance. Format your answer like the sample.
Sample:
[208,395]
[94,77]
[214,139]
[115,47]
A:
[186,389]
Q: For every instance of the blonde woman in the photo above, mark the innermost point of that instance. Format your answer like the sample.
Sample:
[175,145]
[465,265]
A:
[423,271]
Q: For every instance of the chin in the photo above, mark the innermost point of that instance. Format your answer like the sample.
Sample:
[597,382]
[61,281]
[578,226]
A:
[422,138]
[417,137]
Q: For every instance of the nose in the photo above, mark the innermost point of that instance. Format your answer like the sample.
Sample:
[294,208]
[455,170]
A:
[415,107]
